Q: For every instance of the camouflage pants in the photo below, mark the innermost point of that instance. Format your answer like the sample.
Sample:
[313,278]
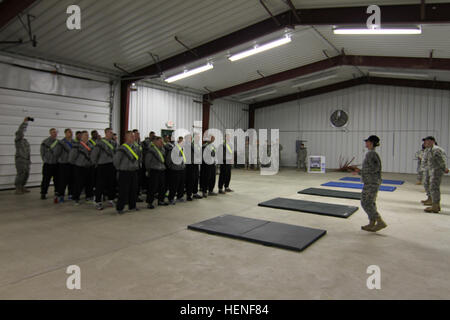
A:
[435,185]
[368,199]
[23,172]
[426,182]
[419,172]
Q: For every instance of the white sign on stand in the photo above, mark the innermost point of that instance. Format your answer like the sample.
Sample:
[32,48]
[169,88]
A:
[316,164]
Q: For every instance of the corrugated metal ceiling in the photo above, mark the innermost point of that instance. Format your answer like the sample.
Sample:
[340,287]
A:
[124,32]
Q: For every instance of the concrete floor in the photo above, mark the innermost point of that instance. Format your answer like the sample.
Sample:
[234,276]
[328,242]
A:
[151,254]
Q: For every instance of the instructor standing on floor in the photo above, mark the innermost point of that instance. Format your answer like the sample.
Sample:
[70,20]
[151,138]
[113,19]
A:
[371,177]
[22,157]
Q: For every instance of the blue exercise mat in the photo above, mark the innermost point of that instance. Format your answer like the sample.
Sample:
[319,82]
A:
[355,186]
[356,179]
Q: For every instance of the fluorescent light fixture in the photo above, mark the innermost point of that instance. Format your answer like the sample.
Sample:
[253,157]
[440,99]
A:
[301,84]
[399,74]
[379,31]
[258,49]
[261,94]
[188,73]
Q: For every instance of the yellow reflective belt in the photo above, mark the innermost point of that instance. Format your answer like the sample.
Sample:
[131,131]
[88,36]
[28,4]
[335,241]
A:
[131,150]
[138,145]
[93,142]
[108,144]
[54,144]
[229,148]
[182,153]
[159,152]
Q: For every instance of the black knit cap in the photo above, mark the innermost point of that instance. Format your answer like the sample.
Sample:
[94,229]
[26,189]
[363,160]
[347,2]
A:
[374,139]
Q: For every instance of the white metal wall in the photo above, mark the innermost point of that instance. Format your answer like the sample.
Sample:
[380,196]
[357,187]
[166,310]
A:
[400,116]
[49,112]
[53,101]
[151,109]
[227,114]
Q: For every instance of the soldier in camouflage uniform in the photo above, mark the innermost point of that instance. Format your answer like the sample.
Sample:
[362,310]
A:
[371,177]
[426,173]
[437,160]
[420,169]
[22,158]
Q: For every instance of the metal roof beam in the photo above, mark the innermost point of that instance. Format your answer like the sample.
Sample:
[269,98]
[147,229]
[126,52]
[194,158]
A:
[428,84]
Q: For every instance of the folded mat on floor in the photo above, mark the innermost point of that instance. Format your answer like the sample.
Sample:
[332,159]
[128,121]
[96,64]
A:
[356,179]
[355,186]
[332,193]
[264,232]
[327,209]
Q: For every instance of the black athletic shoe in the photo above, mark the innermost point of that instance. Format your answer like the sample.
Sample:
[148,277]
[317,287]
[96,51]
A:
[228,190]
[205,195]
[188,199]
[197,196]
[221,191]
[162,203]
[43,197]
[150,206]
[120,212]
[212,193]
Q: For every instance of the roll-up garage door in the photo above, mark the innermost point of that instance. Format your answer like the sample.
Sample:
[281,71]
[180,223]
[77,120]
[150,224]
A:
[49,111]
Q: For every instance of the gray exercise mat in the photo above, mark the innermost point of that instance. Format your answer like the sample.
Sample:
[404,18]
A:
[334,210]
[264,232]
[332,193]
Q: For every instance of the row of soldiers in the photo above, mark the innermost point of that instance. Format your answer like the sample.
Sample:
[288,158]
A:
[106,171]
[431,167]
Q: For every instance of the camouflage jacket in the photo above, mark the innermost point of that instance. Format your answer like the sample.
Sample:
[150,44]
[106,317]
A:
[371,168]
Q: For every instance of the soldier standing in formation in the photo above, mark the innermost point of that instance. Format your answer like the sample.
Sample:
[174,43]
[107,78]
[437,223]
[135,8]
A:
[22,158]
[80,157]
[50,166]
[126,161]
[102,157]
[65,168]
[155,166]
[371,177]
[225,167]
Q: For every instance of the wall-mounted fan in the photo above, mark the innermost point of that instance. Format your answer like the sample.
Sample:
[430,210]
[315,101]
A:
[339,119]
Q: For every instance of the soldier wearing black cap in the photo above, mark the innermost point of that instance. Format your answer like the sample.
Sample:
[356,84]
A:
[436,167]
[371,177]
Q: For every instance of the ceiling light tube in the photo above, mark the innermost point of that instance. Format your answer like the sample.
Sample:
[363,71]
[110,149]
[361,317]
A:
[399,74]
[258,49]
[189,73]
[378,31]
[259,95]
[301,84]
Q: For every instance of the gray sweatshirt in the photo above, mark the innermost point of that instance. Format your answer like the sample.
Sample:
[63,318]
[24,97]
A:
[153,160]
[63,149]
[371,168]
[102,153]
[48,153]
[80,156]
[124,160]
[22,145]
[173,151]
